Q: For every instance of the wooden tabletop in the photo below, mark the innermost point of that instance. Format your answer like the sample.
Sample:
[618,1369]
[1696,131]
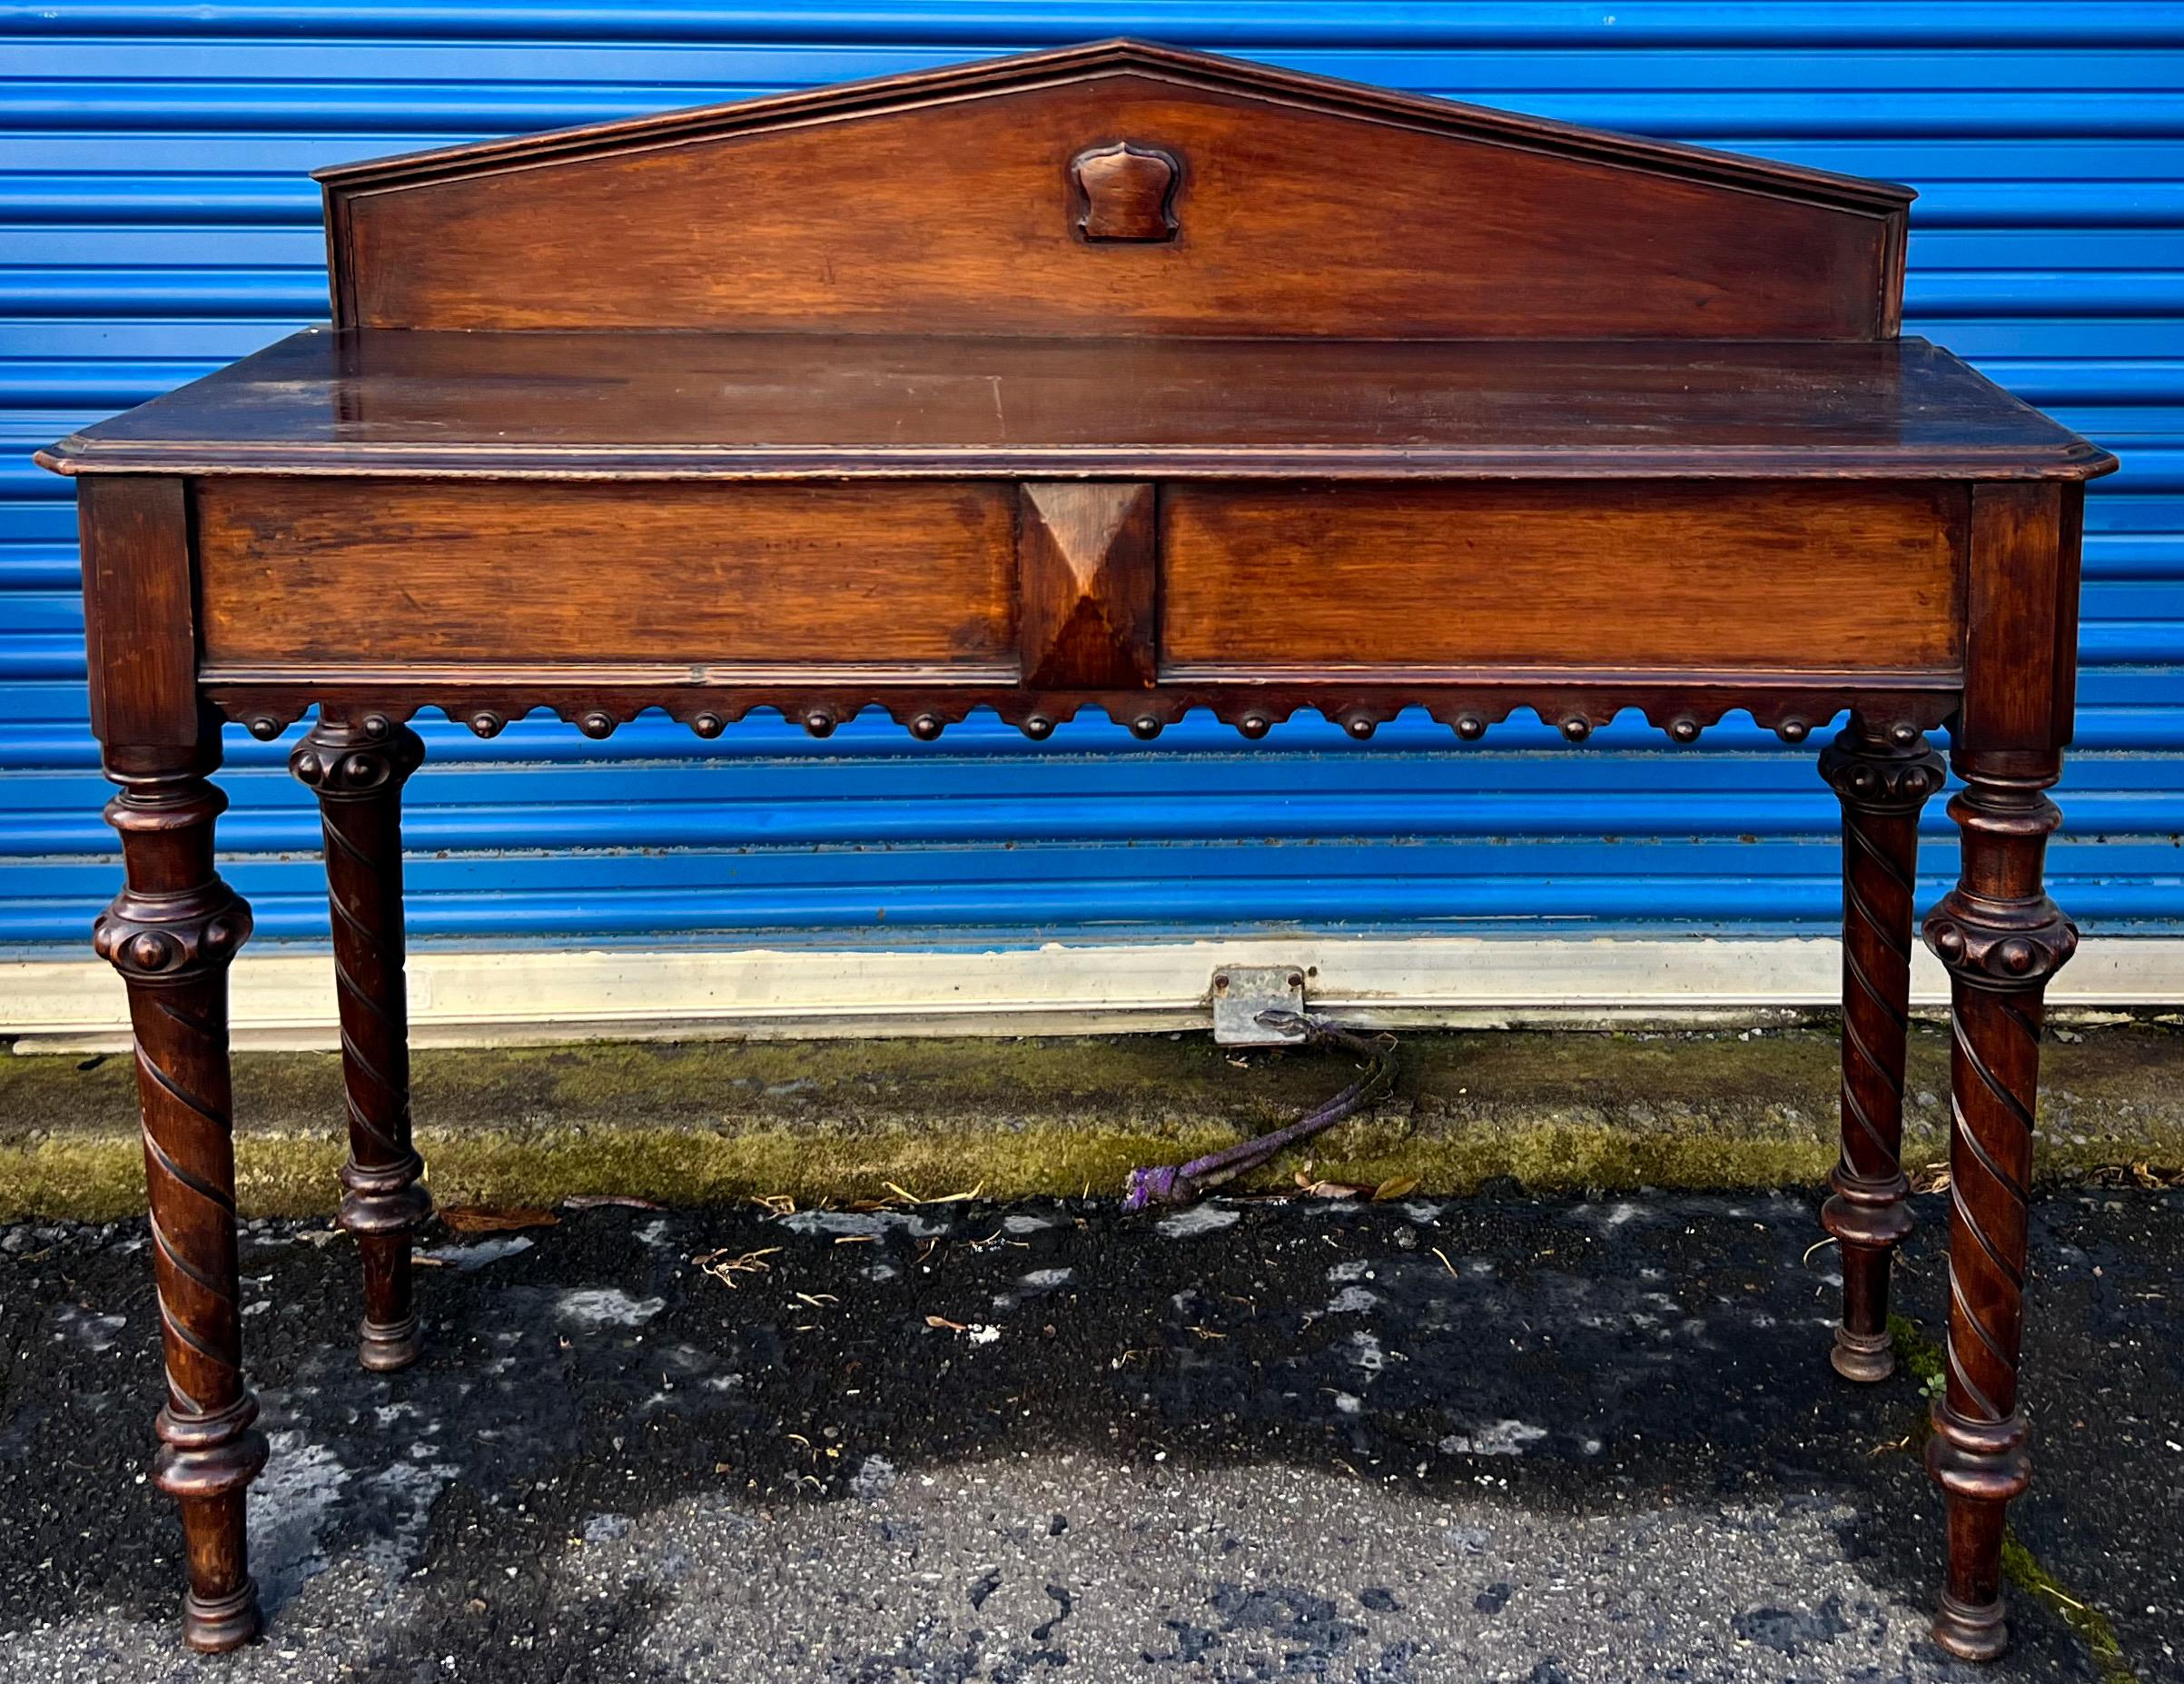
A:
[635,404]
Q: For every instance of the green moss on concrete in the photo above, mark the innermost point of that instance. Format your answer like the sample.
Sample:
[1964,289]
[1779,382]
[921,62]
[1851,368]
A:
[89,1178]
[815,1166]
[834,1120]
[2021,1567]
[1922,1358]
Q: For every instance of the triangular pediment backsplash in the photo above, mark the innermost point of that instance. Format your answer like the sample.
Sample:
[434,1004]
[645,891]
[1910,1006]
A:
[1115,189]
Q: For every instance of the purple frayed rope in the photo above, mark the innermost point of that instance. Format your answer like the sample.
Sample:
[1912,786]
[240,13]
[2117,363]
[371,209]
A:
[1182,1183]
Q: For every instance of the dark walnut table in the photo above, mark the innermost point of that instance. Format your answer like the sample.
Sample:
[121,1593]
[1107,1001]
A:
[1117,378]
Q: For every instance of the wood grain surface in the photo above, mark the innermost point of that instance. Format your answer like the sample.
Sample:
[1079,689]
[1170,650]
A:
[673,405]
[1297,212]
[1658,576]
[358,572]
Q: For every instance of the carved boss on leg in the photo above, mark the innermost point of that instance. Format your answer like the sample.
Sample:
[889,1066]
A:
[1883,778]
[357,767]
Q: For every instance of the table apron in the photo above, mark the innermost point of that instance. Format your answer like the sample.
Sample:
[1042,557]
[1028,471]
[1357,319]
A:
[1039,598]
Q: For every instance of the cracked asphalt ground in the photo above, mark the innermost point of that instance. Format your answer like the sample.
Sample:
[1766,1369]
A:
[1490,1440]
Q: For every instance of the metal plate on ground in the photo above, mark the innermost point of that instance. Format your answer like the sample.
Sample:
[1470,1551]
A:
[1240,992]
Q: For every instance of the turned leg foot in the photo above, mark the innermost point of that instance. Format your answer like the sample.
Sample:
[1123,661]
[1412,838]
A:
[357,767]
[1971,1633]
[389,1337]
[228,1622]
[171,933]
[1863,1357]
[1981,1466]
[2001,939]
[1883,778]
[219,1609]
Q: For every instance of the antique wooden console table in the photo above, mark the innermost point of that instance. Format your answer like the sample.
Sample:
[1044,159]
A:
[1117,378]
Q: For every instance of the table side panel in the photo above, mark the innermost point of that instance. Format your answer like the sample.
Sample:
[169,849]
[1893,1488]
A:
[1630,576]
[354,572]
[140,639]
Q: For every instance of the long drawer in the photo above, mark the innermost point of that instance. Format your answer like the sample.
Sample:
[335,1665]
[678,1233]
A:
[1639,575]
[1092,586]
[352,572]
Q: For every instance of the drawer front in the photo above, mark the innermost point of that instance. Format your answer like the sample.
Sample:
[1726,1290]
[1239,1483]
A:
[1084,587]
[1630,576]
[356,573]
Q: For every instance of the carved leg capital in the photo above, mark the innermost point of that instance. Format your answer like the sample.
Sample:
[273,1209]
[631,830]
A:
[358,765]
[1890,773]
[342,758]
[172,933]
[1883,778]
[2001,939]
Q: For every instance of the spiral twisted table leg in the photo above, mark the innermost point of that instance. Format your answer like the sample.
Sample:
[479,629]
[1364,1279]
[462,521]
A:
[171,933]
[2001,939]
[1883,778]
[358,767]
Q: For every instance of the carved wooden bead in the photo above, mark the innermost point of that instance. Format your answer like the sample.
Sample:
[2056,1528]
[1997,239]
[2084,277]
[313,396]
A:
[263,726]
[1144,727]
[150,937]
[2021,946]
[1577,728]
[1873,778]
[334,761]
[1360,726]
[1038,727]
[819,722]
[596,724]
[486,722]
[708,725]
[1903,733]
[1254,726]
[925,728]
[1470,727]
[1908,783]
[1684,730]
[1793,730]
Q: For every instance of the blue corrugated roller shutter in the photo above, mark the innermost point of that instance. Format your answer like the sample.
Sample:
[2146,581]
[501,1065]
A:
[155,221]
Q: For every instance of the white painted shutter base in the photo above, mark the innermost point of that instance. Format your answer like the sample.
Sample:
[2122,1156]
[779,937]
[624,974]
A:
[468,997]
